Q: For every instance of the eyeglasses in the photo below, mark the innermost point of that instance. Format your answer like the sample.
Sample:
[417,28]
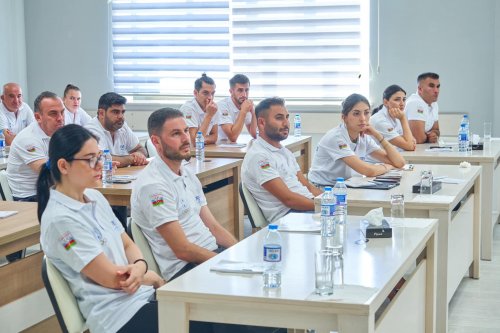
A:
[92,160]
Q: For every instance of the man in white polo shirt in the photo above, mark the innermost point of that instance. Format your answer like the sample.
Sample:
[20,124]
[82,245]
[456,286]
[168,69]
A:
[422,109]
[15,115]
[237,110]
[30,149]
[113,132]
[168,202]
[201,111]
[270,171]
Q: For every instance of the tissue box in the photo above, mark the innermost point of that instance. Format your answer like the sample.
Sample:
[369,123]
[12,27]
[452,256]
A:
[436,186]
[383,231]
[479,146]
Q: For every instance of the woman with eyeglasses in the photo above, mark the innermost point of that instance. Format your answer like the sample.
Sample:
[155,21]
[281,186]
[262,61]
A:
[83,239]
[390,119]
[343,151]
[73,113]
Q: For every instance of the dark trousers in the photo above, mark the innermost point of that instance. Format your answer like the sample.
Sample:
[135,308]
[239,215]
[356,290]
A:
[121,214]
[19,254]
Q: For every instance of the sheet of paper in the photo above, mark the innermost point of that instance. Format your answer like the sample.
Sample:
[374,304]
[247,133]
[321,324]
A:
[232,145]
[300,226]
[228,266]
[442,149]
[7,213]
[433,198]
[358,182]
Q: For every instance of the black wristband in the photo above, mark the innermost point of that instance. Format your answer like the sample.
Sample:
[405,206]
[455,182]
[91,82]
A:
[145,262]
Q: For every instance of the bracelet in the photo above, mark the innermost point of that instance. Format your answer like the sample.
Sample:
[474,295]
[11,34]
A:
[145,262]
[380,141]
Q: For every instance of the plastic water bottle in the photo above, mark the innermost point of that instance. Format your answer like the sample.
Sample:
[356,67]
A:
[272,257]
[340,222]
[327,222]
[200,147]
[463,140]
[2,144]
[340,194]
[107,168]
[466,122]
[297,125]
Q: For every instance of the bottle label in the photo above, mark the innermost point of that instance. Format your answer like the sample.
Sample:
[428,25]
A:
[272,253]
[108,166]
[2,143]
[340,198]
[327,210]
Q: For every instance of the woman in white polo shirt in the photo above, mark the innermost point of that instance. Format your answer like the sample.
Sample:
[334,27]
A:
[86,242]
[390,119]
[73,113]
[343,150]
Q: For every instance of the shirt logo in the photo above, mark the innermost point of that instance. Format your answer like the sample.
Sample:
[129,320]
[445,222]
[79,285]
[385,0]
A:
[157,200]
[189,116]
[225,114]
[198,199]
[30,149]
[343,145]
[390,129]
[98,236]
[67,240]
[420,111]
[264,164]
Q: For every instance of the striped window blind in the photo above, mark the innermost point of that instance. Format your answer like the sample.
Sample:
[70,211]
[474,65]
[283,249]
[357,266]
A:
[296,49]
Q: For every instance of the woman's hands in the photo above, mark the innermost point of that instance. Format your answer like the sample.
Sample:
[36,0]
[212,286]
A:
[131,277]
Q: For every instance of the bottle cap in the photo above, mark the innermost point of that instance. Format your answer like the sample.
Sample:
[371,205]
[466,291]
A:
[106,151]
[340,179]
[273,227]
[328,188]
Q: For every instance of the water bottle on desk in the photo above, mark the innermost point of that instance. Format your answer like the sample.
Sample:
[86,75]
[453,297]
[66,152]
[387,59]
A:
[107,168]
[466,122]
[327,222]
[200,147]
[2,145]
[340,222]
[272,257]
[297,125]
[463,140]
[340,194]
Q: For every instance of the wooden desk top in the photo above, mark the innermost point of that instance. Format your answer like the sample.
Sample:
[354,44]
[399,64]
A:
[23,224]
[208,168]
[491,152]
[370,270]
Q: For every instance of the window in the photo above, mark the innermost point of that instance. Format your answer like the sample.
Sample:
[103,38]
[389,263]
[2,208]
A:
[305,50]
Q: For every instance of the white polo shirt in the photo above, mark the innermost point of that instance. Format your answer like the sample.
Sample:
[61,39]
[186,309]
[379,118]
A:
[327,163]
[124,140]
[8,120]
[389,127]
[264,162]
[72,234]
[160,196]
[195,115]
[80,117]
[417,109]
[228,114]
[31,144]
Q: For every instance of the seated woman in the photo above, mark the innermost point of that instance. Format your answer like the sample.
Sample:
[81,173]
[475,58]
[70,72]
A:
[390,119]
[73,113]
[343,150]
[85,241]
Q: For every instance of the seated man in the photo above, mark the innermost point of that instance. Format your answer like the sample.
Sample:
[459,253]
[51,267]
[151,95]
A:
[422,109]
[15,115]
[30,150]
[270,171]
[114,134]
[201,111]
[237,110]
[168,202]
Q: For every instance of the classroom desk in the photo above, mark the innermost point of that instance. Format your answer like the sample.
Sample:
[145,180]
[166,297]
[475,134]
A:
[220,178]
[458,241]
[371,271]
[18,232]
[489,159]
[300,146]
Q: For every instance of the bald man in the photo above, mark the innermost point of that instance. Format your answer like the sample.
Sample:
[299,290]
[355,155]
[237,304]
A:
[15,115]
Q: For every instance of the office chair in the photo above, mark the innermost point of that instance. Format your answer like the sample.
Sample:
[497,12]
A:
[136,234]
[150,148]
[5,192]
[63,301]
[255,215]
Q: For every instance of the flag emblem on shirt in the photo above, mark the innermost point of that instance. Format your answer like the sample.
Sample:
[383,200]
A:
[157,200]
[420,111]
[188,116]
[390,129]
[343,145]
[264,164]
[67,240]
[31,149]
[225,114]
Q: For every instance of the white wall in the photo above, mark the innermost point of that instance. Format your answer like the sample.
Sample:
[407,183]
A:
[454,38]
[68,42]
[496,71]
[12,44]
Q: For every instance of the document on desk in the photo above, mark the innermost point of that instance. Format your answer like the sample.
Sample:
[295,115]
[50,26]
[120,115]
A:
[228,266]
[7,213]
[232,145]
[440,149]
[301,225]
[433,198]
[124,177]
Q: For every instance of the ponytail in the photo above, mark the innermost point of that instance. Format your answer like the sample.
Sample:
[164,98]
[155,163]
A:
[377,109]
[43,185]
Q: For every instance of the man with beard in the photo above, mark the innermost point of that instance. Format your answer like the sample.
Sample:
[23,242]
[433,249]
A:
[270,171]
[237,110]
[168,203]
[15,115]
[114,134]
